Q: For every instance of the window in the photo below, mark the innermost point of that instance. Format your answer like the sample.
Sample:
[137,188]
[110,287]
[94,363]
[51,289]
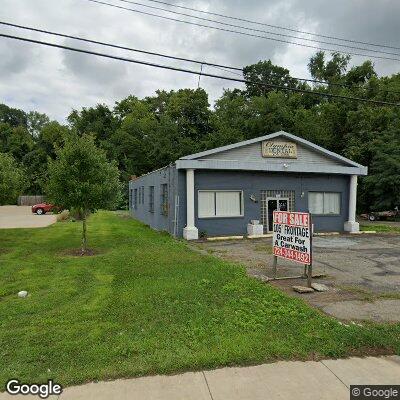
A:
[142,194]
[151,199]
[224,203]
[324,203]
[135,199]
[164,199]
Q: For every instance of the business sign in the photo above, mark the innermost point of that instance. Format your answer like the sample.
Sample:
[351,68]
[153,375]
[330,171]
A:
[292,233]
[274,149]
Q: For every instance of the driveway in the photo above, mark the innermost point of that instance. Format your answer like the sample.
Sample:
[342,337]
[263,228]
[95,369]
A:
[362,272]
[22,217]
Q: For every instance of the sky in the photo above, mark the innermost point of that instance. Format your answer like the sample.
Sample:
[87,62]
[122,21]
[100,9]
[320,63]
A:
[55,81]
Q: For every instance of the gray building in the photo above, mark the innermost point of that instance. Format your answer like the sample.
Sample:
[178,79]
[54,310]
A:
[219,191]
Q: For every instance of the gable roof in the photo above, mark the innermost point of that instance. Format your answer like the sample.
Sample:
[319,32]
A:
[287,135]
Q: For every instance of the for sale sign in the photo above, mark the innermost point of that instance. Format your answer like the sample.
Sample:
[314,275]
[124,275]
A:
[292,236]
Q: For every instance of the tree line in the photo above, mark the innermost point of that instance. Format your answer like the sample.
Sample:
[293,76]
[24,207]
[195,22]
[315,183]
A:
[141,135]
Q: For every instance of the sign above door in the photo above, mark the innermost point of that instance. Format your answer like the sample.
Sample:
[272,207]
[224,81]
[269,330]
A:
[278,149]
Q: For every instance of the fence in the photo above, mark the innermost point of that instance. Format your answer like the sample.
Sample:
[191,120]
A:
[30,200]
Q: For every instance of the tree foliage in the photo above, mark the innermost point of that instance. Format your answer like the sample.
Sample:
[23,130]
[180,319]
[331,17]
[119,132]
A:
[12,179]
[141,135]
[82,179]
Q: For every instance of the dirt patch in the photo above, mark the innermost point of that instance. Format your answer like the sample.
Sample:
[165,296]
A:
[123,214]
[78,252]
[372,352]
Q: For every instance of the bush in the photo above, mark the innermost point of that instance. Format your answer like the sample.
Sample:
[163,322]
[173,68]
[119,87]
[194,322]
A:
[63,216]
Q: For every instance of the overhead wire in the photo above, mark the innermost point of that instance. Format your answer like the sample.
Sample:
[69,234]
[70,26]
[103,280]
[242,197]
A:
[222,67]
[256,30]
[242,33]
[270,25]
[188,71]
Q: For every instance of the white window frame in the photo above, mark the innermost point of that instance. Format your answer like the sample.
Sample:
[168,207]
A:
[323,204]
[215,191]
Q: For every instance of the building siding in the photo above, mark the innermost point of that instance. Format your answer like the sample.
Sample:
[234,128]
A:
[254,183]
[156,219]
[252,153]
[243,168]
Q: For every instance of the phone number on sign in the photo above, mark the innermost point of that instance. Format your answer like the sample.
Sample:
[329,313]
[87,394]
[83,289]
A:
[292,255]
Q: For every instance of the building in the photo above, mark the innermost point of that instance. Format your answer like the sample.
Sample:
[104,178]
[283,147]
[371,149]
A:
[219,191]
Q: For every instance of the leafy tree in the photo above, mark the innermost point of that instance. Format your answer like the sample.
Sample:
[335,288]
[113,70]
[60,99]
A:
[19,142]
[266,72]
[12,180]
[98,121]
[145,134]
[383,181]
[189,110]
[361,74]
[82,179]
[35,122]
[12,116]
[51,136]
[331,70]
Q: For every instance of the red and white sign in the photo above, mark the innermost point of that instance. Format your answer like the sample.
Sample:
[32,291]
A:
[292,236]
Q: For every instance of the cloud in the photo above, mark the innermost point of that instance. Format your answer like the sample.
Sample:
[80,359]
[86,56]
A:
[56,81]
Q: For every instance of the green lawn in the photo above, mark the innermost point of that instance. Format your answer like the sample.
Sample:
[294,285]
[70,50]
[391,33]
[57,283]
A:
[380,228]
[145,305]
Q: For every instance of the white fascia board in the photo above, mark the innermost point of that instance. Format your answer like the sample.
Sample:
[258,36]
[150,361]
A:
[297,139]
[276,167]
[231,146]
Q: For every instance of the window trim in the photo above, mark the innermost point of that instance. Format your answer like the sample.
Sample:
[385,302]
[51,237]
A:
[327,192]
[215,204]
[151,199]
[135,199]
[164,200]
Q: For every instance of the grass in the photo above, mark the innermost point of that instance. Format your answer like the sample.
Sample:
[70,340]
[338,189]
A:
[380,228]
[147,304]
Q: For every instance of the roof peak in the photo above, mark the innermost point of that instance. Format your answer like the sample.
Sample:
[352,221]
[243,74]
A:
[287,135]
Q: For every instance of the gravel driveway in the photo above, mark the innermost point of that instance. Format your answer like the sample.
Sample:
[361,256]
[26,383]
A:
[22,217]
[362,272]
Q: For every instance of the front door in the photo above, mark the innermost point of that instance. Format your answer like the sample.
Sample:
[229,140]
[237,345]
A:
[274,204]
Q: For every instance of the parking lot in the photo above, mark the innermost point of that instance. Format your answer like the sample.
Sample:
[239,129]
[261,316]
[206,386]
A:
[362,272]
[22,217]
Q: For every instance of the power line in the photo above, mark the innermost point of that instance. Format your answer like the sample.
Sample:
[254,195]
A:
[192,72]
[273,26]
[225,68]
[116,46]
[241,33]
[257,30]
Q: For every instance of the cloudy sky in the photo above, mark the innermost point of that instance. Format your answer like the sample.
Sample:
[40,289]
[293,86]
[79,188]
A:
[54,81]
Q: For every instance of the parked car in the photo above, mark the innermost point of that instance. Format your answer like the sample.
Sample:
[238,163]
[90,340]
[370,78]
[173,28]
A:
[43,208]
[377,215]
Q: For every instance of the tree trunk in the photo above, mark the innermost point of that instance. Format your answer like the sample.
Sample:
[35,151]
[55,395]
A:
[84,233]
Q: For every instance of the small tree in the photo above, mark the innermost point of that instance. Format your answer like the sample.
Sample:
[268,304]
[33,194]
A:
[82,179]
[12,179]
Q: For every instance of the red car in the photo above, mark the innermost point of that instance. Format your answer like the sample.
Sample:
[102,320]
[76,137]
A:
[43,208]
